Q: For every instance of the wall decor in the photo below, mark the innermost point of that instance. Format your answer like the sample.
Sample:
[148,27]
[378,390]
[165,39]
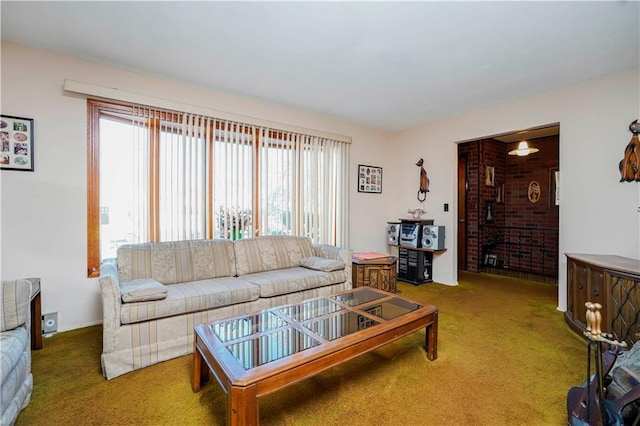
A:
[554,187]
[16,134]
[500,193]
[490,211]
[533,192]
[630,164]
[369,179]
[424,182]
[489,176]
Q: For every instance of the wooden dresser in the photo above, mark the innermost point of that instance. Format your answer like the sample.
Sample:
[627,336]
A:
[614,282]
[377,273]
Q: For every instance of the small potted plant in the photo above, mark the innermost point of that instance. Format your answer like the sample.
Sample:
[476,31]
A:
[232,221]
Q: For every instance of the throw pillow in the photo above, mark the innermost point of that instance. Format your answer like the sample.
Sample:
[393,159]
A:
[322,264]
[142,290]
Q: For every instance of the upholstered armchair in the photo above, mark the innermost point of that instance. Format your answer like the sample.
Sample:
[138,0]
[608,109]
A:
[16,381]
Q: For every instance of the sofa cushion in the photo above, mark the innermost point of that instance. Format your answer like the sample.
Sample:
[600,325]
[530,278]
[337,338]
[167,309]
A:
[191,296]
[142,290]
[14,300]
[176,261]
[290,280]
[322,264]
[13,345]
[269,253]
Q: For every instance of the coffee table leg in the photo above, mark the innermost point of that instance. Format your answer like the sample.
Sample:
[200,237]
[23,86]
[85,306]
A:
[200,375]
[431,343]
[242,406]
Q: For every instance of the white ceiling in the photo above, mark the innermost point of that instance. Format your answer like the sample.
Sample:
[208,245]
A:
[387,65]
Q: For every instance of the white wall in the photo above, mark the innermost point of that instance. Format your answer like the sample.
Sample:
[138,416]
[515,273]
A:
[43,213]
[598,214]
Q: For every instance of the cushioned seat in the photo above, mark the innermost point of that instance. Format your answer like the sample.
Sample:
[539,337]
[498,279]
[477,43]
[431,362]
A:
[191,297]
[16,381]
[292,280]
[153,294]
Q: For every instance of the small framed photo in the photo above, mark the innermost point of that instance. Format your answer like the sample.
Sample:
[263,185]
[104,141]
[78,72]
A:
[492,260]
[489,176]
[16,134]
[369,179]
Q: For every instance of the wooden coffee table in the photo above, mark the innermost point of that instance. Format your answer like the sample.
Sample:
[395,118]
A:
[256,354]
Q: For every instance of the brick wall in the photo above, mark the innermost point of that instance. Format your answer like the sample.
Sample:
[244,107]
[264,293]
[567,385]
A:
[534,250]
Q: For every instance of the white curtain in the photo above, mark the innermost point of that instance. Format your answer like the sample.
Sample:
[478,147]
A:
[260,181]
[233,177]
[182,177]
[169,177]
[140,214]
[303,186]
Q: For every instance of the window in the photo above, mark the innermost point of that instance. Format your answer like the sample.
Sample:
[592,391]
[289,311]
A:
[157,175]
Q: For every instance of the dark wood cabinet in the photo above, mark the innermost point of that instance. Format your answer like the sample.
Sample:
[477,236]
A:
[613,282]
[376,273]
[415,265]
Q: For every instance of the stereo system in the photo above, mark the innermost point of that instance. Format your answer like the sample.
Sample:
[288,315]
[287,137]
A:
[410,234]
[432,237]
[393,233]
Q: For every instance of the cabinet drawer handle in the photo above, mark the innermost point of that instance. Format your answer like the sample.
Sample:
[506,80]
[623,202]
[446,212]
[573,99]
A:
[596,292]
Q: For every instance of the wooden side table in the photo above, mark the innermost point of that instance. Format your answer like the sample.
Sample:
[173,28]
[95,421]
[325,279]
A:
[36,315]
[377,273]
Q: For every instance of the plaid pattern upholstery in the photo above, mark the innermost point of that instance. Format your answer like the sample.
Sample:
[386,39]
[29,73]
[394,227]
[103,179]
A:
[176,261]
[16,380]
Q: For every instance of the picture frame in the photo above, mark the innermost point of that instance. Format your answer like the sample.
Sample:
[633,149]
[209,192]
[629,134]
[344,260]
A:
[554,187]
[369,179]
[489,176]
[16,149]
[492,260]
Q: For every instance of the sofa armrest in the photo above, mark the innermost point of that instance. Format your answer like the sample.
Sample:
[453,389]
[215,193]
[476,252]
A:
[329,251]
[111,303]
[15,300]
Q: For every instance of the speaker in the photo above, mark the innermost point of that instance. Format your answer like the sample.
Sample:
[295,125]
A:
[433,237]
[393,233]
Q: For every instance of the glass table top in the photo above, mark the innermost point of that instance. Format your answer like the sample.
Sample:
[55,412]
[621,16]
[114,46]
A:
[275,333]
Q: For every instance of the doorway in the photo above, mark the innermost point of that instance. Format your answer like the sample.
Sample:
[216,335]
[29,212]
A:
[462,212]
[502,228]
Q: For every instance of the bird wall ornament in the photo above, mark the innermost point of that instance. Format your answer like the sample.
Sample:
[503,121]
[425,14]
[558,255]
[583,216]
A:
[424,182]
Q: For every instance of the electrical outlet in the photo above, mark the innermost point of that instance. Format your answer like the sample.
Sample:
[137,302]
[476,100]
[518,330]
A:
[49,323]
[446,207]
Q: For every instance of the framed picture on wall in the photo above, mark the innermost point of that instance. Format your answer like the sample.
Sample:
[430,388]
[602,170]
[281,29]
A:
[489,176]
[554,187]
[16,134]
[369,179]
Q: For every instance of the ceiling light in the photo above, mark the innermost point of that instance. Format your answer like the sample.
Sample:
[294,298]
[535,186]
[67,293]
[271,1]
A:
[523,149]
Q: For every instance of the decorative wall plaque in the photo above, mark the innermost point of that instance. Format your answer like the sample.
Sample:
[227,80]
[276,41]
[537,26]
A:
[533,192]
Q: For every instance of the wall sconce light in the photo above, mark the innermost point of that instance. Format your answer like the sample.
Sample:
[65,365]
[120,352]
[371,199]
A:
[523,149]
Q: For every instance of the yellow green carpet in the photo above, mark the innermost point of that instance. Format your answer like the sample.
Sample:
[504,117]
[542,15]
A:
[505,357]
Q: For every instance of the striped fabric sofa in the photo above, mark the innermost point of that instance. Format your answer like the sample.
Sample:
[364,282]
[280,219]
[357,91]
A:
[155,293]
[16,380]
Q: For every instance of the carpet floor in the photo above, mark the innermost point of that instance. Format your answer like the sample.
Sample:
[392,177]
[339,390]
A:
[505,357]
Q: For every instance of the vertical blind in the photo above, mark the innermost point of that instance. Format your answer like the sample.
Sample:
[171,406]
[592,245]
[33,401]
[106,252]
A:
[198,177]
